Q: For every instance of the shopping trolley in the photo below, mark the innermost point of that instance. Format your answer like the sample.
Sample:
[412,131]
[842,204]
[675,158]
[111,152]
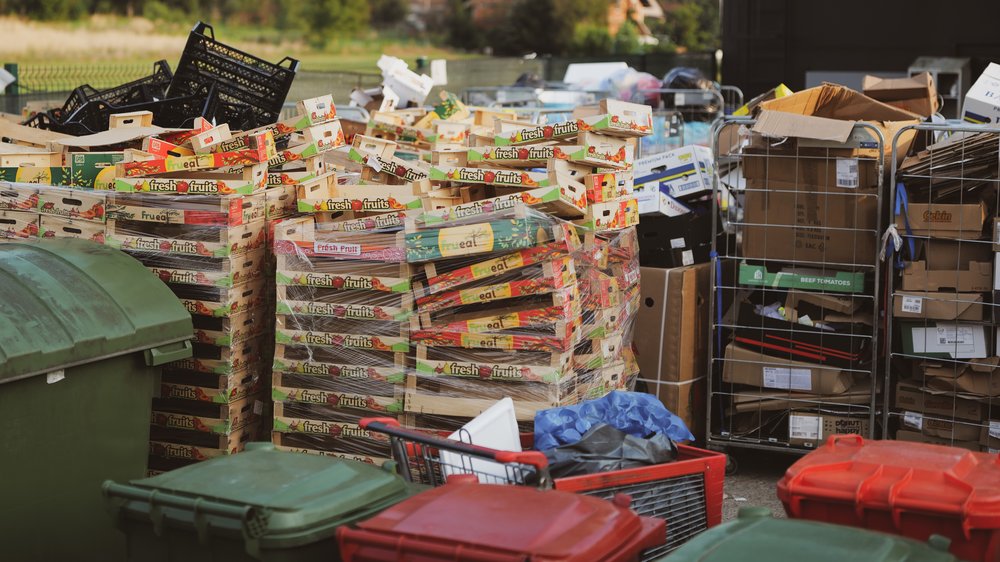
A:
[687,493]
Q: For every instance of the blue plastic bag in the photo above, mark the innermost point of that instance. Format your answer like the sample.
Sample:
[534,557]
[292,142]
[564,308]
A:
[634,413]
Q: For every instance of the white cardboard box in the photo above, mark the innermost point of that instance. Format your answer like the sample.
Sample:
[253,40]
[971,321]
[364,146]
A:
[982,103]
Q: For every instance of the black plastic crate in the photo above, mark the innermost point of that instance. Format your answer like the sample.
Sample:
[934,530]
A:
[240,78]
[179,112]
[147,88]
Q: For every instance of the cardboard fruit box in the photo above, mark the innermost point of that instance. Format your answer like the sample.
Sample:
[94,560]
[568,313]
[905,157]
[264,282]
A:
[211,272]
[192,446]
[219,419]
[300,237]
[57,175]
[221,389]
[244,157]
[245,182]
[205,241]
[323,194]
[58,227]
[72,203]
[617,214]
[473,239]
[18,197]
[228,331]
[221,302]
[204,210]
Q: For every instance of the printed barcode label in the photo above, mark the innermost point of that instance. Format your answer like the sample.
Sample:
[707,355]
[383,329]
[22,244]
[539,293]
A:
[956,335]
[847,172]
[679,99]
[337,248]
[805,427]
[258,407]
[678,243]
[913,419]
[995,429]
[913,305]
[687,257]
[788,379]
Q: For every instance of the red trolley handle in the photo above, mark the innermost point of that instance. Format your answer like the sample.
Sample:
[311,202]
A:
[391,427]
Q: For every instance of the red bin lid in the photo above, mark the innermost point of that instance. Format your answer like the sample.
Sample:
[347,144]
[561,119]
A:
[497,520]
[899,476]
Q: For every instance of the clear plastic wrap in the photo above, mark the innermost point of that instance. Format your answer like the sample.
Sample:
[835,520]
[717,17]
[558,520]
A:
[434,322]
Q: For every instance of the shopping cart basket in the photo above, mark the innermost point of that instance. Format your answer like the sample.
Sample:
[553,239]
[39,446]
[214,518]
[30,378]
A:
[687,493]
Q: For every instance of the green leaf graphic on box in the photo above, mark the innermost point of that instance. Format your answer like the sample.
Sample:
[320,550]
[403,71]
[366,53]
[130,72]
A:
[281,337]
[437,174]
[282,308]
[395,407]
[281,426]
[283,279]
[396,378]
[278,395]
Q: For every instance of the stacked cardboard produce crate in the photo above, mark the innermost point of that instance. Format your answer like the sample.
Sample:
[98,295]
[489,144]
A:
[427,291]
[191,209]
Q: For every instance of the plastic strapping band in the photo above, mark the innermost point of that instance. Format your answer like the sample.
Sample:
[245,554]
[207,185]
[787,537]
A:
[902,209]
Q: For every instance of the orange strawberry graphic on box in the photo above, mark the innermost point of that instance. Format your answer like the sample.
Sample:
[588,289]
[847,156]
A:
[49,234]
[202,337]
[373,405]
[377,344]
[48,206]
[203,251]
[224,189]
[29,203]
[95,212]
[374,375]
[393,204]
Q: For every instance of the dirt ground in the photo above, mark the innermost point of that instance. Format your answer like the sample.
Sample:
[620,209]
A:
[755,481]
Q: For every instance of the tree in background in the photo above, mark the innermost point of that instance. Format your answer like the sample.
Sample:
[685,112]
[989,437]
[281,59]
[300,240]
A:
[694,25]
[387,13]
[460,31]
[327,18]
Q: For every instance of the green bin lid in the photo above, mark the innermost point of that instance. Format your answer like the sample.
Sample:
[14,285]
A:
[68,302]
[297,498]
[756,535]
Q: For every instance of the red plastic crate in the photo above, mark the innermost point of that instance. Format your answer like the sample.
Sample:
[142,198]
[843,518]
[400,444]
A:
[473,522]
[686,493]
[909,489]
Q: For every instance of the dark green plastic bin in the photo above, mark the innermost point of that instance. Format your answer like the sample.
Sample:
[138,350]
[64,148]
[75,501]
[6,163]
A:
[83,329]
[262,504]
[756,535]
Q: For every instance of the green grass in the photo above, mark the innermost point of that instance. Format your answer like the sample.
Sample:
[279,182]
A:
[115,39]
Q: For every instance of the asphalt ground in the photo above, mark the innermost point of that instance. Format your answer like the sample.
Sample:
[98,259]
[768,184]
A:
[754,482]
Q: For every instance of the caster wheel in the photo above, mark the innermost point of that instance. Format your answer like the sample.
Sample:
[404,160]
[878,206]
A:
[732,466]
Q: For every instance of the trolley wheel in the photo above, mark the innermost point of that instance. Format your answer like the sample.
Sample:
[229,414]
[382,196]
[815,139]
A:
[732,466]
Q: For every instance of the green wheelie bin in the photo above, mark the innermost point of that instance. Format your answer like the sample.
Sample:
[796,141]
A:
[260,505]
[756,535]
[83,329]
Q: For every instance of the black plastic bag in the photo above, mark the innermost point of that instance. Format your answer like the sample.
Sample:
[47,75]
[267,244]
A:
[604,448]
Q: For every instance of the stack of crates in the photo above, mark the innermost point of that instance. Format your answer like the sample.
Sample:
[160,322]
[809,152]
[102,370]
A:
[203,233]
[342,336]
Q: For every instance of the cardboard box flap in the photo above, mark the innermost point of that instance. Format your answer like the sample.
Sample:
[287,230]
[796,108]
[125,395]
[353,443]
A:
[833,101]
[114,136]
[935,305]
[781,124]
[892,89]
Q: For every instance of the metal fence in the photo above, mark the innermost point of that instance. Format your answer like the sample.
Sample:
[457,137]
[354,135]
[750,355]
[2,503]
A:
[50,84]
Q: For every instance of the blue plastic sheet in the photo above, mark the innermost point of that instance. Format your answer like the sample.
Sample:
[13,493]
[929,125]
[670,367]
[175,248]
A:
[634,413]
